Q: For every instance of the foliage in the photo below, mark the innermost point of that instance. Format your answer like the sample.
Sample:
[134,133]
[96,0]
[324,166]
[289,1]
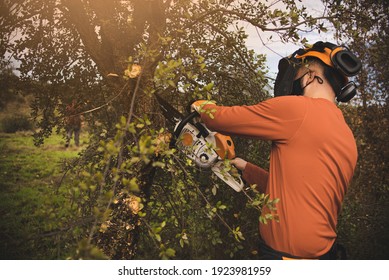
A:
[14,102]
[364,227]
[9,87]
[134,196]
[15,123]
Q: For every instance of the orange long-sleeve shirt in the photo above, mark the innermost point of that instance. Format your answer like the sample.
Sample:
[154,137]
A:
[312,161]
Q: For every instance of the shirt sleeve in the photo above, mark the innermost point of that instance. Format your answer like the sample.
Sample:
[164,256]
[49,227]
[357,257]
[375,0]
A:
[253,174]
[276,119]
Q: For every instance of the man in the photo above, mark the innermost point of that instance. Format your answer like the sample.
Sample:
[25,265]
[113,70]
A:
[73,123]
[313,152]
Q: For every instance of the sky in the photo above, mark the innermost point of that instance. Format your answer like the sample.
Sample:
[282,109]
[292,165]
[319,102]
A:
[275,50]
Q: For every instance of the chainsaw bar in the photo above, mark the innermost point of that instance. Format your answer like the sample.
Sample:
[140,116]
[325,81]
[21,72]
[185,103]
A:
[168,111]
[208,149]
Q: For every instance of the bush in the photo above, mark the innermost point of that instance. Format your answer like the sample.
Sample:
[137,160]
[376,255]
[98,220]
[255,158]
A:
[11,124]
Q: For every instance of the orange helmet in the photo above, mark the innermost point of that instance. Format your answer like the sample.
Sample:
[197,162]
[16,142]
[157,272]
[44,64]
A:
[338,57]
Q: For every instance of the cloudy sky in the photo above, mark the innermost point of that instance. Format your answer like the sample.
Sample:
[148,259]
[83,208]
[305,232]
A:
[274,50]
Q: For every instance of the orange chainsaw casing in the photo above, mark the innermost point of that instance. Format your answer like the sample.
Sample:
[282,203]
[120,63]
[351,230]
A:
[225,147]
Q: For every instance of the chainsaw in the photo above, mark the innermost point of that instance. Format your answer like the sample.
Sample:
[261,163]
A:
[208,149]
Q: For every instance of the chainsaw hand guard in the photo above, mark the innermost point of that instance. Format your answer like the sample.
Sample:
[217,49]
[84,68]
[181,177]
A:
[206,148]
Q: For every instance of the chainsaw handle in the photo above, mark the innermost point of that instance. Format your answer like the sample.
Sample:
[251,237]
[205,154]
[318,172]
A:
[182,123]
[234,182]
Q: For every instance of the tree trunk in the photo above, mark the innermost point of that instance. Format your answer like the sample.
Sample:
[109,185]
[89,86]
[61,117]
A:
[110,42]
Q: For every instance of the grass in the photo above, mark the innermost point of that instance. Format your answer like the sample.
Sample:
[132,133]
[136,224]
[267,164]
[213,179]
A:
[31,205]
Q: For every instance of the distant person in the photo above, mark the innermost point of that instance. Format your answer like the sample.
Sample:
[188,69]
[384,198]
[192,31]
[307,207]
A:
[73,123]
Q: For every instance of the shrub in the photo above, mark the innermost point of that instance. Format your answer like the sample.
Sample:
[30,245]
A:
[11,124]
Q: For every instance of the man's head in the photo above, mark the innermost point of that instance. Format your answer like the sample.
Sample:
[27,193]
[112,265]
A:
[313,70]
[321,64]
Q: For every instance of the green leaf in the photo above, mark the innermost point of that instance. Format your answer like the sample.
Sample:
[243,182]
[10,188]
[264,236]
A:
[171,83]
[170,252]
[209,86]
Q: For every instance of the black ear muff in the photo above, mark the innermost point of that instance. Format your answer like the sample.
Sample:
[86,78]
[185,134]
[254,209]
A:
[347,92]
[346,62]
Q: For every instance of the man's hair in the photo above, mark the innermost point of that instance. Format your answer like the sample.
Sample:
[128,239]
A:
[336,79]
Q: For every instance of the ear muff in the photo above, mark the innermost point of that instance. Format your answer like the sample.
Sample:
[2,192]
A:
[346,62]
[347,92]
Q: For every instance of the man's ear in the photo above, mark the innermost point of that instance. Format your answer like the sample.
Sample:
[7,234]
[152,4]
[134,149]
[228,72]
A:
[310,77]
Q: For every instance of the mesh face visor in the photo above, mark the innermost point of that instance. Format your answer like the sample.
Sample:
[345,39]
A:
[287,69]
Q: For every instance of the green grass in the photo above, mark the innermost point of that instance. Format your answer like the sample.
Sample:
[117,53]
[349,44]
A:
[31,202]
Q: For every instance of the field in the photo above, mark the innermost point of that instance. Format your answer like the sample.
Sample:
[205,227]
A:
[32,197]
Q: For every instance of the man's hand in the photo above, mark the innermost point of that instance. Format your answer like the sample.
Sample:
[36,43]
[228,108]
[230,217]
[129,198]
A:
[239,163]
[199,104]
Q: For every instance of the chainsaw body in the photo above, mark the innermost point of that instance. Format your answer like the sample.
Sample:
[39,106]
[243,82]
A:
[207,149]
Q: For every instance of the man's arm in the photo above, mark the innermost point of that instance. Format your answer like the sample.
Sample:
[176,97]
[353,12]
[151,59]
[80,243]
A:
[276,119]
[252,173]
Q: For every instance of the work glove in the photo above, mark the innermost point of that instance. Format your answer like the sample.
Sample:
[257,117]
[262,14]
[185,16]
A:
[239,163]
[199,104]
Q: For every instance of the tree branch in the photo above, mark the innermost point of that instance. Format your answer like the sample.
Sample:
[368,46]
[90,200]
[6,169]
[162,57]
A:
[240,54]
[80,20]
[243,17]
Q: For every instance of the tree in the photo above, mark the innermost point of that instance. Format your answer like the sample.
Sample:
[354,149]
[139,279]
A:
[364,225]
[136,197]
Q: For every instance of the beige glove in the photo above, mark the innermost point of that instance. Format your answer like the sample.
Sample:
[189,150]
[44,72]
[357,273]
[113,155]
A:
[239,163]
[199,104]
